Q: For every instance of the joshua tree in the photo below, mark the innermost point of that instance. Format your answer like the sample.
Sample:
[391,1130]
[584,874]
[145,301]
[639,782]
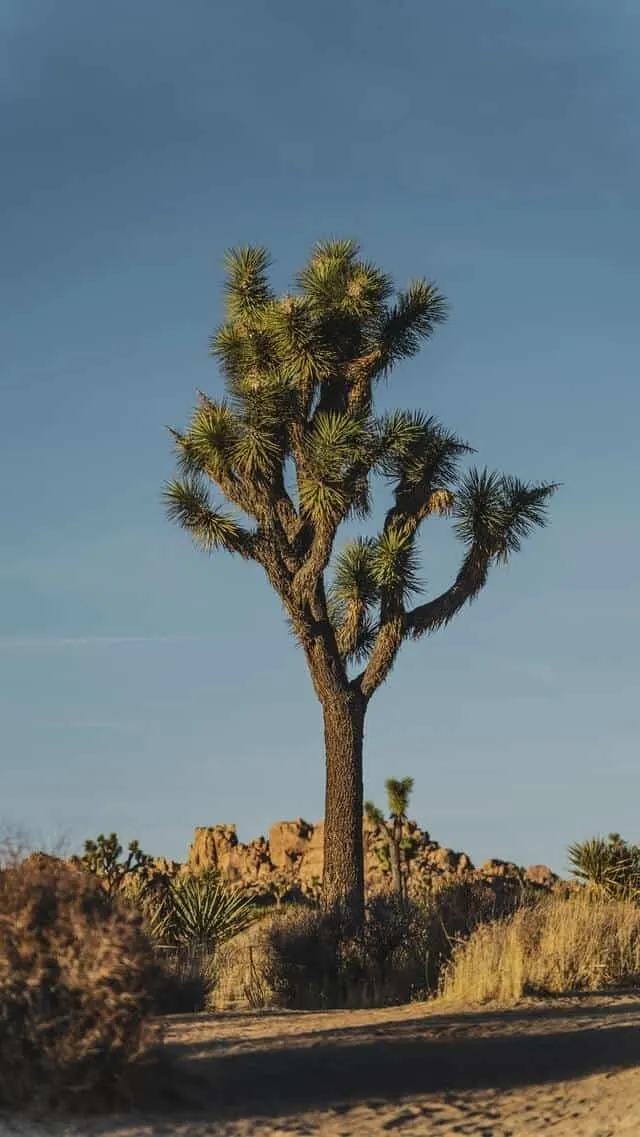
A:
[294,449]
[398,794]
[102,857]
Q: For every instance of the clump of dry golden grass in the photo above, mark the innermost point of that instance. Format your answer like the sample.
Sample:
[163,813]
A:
[583,942]
[77,975]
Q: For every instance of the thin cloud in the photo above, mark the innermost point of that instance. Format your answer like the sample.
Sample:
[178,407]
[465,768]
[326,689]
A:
[43,643]
[88,724]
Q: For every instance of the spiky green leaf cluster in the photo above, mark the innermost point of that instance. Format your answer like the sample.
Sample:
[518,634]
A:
[333,450]
[412,319]
[394,846]
[396,565]
[495,512]
[353,596]
[373,813]
[198,911]
[247,288]
[188,502]
[398,792]
[610,866]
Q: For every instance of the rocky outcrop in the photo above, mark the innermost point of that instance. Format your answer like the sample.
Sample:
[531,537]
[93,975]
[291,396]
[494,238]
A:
[291,859]
[289,842]
[218,848]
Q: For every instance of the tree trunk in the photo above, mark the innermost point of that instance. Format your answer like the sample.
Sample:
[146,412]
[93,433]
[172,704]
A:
[394,856]
[343,881]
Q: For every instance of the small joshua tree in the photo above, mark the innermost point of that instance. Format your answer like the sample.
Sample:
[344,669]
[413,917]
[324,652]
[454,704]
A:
[295,449]
[398,795]
[102,858]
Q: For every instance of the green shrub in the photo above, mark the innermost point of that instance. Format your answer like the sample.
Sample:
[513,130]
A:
[203,912]
[77,979]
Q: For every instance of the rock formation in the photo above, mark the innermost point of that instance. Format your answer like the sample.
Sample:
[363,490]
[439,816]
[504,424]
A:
[290,859]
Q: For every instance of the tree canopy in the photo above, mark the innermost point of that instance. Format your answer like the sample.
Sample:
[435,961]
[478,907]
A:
[295,445]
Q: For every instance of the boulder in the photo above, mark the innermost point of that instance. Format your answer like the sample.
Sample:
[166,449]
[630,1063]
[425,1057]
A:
[541,875]
[289,842]
[496,868]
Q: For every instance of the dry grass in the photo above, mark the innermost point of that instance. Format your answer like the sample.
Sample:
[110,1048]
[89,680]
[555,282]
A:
[583,943]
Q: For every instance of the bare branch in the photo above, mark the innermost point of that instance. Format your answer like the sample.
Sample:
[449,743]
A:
[384,653]
[437,613]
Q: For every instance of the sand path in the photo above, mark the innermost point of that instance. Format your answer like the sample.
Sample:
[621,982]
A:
[570,1068]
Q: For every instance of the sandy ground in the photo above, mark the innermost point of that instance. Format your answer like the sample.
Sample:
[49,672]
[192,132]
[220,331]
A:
[569,1068]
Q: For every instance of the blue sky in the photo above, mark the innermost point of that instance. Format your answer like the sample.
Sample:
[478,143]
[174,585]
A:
[491,146]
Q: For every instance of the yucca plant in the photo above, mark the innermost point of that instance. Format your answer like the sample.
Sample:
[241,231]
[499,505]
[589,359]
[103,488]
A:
[611,866]
[198,913]
[294,450]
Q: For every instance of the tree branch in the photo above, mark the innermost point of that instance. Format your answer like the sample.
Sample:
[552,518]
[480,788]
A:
[398,625]
[384,653]
[437,613]
[412,508]
[317,558]
[318,641]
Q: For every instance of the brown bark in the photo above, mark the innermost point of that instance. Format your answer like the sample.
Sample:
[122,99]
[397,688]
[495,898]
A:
[395,837]
[343,883]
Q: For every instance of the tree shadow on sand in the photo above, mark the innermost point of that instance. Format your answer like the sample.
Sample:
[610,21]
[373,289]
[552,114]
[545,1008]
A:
[422,1055]
[324,1069]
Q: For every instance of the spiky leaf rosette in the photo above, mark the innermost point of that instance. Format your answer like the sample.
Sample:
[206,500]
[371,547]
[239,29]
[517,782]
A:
[398,792]
[198,911]
[611,866]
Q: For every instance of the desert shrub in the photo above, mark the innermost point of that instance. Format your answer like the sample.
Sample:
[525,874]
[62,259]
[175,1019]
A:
[184,980]
[453,911]
[303,958]
[563,944]
[313,963]
[14,845]
[77,976]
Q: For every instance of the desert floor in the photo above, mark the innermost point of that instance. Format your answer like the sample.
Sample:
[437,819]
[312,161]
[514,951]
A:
[563,1067]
